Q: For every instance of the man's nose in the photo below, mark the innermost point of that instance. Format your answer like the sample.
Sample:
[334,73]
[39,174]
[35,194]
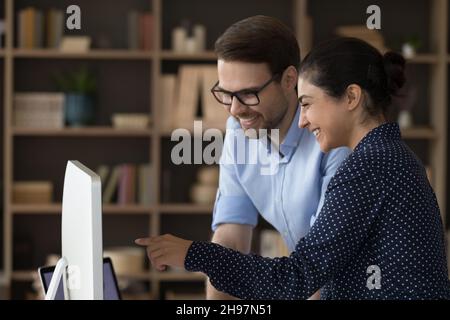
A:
[236,107]
[303,121]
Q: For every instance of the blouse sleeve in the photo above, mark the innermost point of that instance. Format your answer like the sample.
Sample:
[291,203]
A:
[350,209]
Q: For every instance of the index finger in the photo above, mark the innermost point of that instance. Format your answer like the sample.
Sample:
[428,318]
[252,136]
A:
[143,241]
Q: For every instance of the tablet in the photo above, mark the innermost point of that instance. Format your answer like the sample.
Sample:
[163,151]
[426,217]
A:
[110,286]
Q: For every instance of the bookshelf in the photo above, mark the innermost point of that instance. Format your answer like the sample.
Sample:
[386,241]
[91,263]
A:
[96,144]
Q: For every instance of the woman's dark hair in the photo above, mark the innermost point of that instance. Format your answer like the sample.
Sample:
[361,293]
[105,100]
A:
[260,39]
[335,64]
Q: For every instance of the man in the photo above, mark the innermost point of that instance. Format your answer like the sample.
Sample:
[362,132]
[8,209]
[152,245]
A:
[258,60]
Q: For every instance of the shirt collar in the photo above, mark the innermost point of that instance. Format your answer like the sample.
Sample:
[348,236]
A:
[386,131]
[292,138]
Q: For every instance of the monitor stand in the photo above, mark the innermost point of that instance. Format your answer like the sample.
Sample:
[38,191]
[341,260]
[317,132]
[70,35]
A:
[60,272]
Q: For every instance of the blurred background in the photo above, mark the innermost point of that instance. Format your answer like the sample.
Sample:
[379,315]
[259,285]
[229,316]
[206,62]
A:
[110,93]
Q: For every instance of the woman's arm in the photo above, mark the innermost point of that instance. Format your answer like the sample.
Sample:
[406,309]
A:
[343,225]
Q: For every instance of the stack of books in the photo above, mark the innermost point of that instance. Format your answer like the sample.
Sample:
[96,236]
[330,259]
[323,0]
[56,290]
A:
[140,30]
[187,97]
[37,28]
[32,192]
[126,184]
[39,110]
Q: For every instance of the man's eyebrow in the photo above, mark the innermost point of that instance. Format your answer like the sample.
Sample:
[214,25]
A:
[302,97]
[245,89]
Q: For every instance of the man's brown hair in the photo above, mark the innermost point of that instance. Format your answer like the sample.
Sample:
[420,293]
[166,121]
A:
[260,39]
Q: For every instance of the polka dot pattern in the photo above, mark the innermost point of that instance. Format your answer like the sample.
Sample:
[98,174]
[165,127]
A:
[379,210]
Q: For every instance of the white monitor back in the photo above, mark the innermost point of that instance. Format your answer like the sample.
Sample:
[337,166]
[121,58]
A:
[82,233]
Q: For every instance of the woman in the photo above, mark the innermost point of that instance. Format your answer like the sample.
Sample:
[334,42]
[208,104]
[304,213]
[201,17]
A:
[379,234]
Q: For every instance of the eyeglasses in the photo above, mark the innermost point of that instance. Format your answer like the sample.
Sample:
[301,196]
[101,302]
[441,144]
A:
[246,97]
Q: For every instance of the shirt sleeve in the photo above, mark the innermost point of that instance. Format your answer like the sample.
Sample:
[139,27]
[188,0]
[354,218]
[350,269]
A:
[330,163]
[340,230]
[232,204]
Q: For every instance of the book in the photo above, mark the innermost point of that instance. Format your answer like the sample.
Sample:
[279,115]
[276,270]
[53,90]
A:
[54,28]
[38,37]
[168,82]
[146,32]
[214,113]
[127,185]
[111,186]
[145,194]
[103,171]
[189,95]
[133,30]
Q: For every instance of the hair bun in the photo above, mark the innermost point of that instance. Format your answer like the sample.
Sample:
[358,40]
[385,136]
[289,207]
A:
[394,65]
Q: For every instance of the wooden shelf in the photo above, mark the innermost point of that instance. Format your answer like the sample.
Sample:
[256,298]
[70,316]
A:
[187,208]
[179,276]
[424,58]
[137,276]
[56,209]
[83,132]
[419,133]
[110,54]
[172,55]
[27,275]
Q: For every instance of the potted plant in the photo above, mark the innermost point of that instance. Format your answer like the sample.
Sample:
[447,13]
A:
[79,88]
[410,47]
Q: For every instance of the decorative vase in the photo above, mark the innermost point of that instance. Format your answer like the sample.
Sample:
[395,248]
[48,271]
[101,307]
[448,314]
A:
[408,51]
[79,109]
[405,119]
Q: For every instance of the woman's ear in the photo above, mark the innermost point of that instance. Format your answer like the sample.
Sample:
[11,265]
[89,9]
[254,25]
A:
[289,78]
[353,96]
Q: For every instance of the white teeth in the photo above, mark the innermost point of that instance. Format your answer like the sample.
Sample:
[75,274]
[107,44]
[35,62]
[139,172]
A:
[249,119]
[316,132]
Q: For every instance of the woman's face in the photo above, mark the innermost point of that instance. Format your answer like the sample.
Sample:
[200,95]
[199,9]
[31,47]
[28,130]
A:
[325,116]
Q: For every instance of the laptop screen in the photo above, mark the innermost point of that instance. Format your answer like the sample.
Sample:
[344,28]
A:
[110,287]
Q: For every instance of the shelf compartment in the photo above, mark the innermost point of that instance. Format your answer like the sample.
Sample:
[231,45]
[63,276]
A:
[56,208]
[178,276]
[419,133]
[424,58]
[91,54]
[186,208]
[172,55]
[30,275]
[83,132]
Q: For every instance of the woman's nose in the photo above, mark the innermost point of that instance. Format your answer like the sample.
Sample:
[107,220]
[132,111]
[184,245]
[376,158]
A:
[303,121]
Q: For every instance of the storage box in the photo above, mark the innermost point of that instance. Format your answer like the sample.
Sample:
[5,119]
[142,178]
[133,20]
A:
[131,120]
[32,192]
[126,260]
[39,110]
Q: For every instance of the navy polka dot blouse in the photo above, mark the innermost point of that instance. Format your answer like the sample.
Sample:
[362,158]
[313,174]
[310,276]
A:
[379,235]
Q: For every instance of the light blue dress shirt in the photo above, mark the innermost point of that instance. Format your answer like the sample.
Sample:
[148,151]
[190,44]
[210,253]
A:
[287,187]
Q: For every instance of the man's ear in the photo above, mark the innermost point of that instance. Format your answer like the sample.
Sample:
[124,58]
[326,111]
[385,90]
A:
[353,96]
[289,78]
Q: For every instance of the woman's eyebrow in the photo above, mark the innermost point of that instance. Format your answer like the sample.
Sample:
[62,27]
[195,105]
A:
[303,96]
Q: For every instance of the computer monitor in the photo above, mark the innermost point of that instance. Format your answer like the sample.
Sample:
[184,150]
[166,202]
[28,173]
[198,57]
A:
[81,233]
[110,285]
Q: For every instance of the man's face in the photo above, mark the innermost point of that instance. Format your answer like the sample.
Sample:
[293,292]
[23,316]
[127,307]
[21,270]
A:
[237,76]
